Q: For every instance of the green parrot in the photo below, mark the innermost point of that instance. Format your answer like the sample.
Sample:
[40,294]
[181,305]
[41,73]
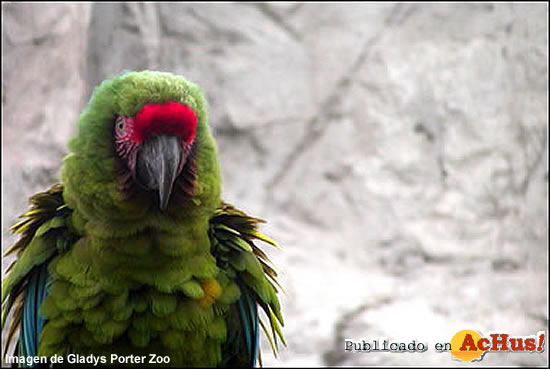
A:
[134,252]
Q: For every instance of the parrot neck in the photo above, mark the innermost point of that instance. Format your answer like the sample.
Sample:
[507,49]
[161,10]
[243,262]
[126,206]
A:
[101,209]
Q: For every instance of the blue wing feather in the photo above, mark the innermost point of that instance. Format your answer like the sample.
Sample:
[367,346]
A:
[32,321]
[249,318]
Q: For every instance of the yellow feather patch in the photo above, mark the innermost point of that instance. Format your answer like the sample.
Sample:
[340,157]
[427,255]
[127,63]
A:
[212,291]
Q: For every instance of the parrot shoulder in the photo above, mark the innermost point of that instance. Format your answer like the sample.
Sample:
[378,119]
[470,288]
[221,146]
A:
[233,233]
[43,234]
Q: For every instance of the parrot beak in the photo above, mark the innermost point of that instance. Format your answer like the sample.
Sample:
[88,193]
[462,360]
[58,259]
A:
[158,165]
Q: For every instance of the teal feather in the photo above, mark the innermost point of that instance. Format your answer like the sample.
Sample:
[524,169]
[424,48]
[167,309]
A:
[32,321]
[249,318]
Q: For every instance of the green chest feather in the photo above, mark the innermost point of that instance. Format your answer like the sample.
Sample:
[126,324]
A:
[137,295]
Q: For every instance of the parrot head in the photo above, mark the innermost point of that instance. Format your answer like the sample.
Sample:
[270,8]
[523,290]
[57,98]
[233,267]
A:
[143,143]
[155,144]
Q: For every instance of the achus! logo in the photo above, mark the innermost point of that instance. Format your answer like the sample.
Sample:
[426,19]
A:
[469,345]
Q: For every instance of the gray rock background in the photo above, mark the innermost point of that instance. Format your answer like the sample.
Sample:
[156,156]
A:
[399,151]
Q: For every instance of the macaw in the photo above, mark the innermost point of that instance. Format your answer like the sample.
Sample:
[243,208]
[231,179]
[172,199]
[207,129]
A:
[134,252]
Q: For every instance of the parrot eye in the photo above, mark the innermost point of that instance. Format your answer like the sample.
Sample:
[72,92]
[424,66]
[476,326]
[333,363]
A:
[120,126]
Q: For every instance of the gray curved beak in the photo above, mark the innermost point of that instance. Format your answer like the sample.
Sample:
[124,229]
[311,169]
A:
[158,160]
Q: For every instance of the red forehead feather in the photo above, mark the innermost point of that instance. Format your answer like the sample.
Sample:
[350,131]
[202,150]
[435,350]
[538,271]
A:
[167,118]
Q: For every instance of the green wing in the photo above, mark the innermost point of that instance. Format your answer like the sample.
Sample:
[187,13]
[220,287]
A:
[233,233]
[44,233]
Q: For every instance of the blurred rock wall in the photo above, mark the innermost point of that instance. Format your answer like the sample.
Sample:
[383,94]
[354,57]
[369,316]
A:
[400,151]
